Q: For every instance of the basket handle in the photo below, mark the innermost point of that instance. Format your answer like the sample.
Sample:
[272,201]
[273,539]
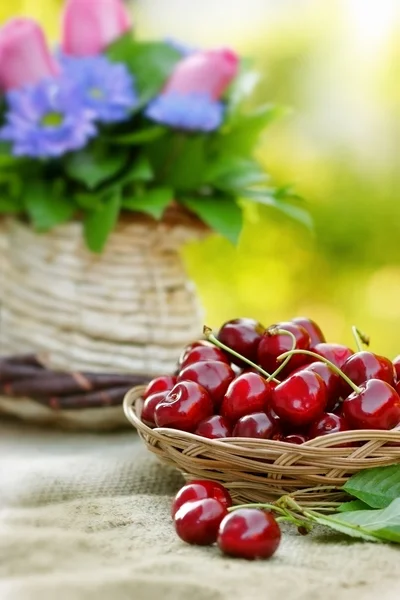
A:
[130,400]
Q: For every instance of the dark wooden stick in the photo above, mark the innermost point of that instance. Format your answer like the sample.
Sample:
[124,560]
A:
[99,399]
[11,372]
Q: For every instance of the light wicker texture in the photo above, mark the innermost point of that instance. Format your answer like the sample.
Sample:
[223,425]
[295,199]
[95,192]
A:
[129,310]
[264,470]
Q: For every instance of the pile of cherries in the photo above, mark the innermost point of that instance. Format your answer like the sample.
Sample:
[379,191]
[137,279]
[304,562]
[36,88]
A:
[283,383]
[201,515]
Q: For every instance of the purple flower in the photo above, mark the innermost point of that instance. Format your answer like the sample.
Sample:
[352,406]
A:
[192,111]
[46,120]
[106,88]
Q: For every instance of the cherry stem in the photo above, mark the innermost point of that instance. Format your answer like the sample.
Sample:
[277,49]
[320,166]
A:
[285,514]
[330,364]
[211,338]
[285,362]
[360,338]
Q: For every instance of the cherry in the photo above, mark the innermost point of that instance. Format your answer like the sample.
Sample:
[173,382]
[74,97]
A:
[336,353]
[295,438]
[242,336]
[248,393]
[363,365]
[376,405]
[257,425]
[328,423]
[331,379]
[192,346]
[299,399]
[149,406]
[313,330]
[273,344]
[249,533]
[198,521]
[164,383]
[199,489]
[203,353]
[214,427]
[184,407]
[214,376]
[396,364]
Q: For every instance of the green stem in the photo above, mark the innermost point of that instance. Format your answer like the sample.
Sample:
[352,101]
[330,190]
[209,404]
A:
[211,338]
[263,505]
[330,364]
[285,362]
[360,338]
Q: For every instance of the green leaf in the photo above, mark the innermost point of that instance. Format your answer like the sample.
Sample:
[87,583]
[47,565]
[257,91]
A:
[94,165]
[223,215]
[88,201]
[143,136]
[98,224]
[232,173]
[377,487]
[46,205]
[151,63]
[140,170]
[352,505]
[268,198]
[185,164]
[152,202]
[9,205]
[343,527]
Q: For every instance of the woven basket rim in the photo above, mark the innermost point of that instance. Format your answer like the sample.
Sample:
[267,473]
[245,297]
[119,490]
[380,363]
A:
[132,409]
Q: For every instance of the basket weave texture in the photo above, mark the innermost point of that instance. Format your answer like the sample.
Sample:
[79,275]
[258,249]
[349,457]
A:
[264,470]
[129,310]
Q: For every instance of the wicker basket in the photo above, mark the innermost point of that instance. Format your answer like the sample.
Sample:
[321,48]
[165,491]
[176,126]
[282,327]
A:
[263,470]
[129,310]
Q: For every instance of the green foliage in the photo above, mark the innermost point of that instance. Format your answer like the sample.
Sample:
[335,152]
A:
[375,487]
[99,223]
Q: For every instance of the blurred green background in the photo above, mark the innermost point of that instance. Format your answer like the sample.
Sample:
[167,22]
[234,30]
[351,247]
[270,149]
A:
[336,65]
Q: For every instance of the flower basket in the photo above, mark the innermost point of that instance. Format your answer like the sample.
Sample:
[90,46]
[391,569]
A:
[256,470]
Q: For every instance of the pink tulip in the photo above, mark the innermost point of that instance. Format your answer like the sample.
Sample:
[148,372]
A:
[204,72]
[24,55]
[89,26]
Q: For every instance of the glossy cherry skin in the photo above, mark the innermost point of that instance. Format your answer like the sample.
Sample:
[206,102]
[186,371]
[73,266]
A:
[377,406]
[336,353]
[295,438]
[272,345]
[149,407]
[198,521]
[214,427]
[332,380]
[248,393]
[198,489]
[299,399]
[257,425]
[164,383]
[326,424]
[202,353]
[243,336]
[213,375]
[249,533]
[396,364]
[362,366]
[191,347]
[184,407]
[313,330]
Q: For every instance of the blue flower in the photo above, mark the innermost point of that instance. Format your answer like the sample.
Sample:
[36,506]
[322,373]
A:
[181,47]
[193,111]
[106,88]
[46,120]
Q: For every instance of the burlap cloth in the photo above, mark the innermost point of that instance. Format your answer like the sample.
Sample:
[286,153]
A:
[87,517]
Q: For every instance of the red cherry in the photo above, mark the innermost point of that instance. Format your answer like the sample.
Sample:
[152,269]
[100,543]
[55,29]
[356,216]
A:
[214,427]
[249,533]
[362,366]
[199,489]
[336,353]
[242,336]
[332,380]
[299,399]
[214,375]
[295,438]
[149,407]
[377,406]
[248,393]
[257,425]
[271,346]
[313,330]
[192,346]
[328,423]
[202,353]
[198,521]
[396,364]
[164,383]
[184,407]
